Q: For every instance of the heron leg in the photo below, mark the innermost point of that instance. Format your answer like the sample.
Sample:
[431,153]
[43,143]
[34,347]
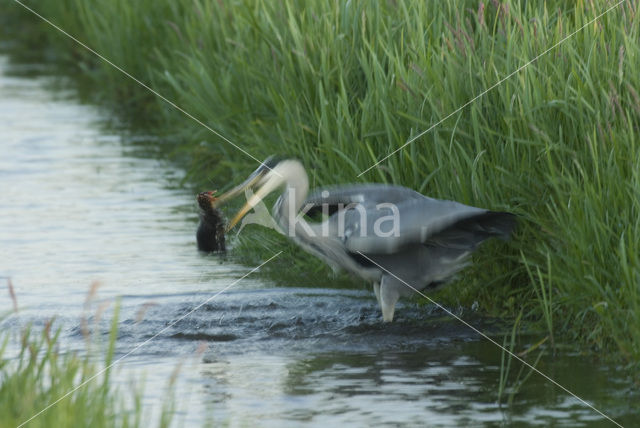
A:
[389,295]
[376,290]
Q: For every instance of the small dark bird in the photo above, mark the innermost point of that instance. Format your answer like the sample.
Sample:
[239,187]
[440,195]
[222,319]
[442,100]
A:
[210,233]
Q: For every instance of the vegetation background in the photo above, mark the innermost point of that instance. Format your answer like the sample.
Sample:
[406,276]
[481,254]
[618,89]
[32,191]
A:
[341,84]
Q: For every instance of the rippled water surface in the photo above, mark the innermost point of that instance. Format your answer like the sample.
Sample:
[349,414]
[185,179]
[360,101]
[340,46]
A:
[78,204]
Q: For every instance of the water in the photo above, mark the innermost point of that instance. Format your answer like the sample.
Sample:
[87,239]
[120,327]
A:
[81,204]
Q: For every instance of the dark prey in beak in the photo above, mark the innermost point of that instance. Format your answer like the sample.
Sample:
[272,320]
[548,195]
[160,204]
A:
[210,234]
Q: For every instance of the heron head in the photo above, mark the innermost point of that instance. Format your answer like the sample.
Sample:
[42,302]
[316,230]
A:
[269,176]
[256,178]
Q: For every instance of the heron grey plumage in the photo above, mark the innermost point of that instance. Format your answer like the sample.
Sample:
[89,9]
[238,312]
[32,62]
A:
[424,243]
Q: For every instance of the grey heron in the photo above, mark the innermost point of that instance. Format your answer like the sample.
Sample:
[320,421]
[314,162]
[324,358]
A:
[385,234]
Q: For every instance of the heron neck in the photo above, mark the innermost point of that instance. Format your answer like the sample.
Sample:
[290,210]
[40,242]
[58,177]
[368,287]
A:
[295,193]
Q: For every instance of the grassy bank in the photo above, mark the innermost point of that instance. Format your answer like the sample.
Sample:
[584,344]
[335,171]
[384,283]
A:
[41,374]
[342,84]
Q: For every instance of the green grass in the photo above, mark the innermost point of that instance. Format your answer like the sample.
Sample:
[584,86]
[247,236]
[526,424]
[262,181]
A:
[510,388]
[41,374]
[342,84]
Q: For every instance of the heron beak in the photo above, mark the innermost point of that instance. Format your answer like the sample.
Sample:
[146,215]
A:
[271,184]
[238,190]
[243,211]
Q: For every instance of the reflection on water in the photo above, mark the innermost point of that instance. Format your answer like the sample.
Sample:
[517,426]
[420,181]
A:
[78,205]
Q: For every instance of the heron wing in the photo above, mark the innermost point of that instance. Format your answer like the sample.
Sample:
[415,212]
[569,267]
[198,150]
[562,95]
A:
[368,194]
[387,227]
